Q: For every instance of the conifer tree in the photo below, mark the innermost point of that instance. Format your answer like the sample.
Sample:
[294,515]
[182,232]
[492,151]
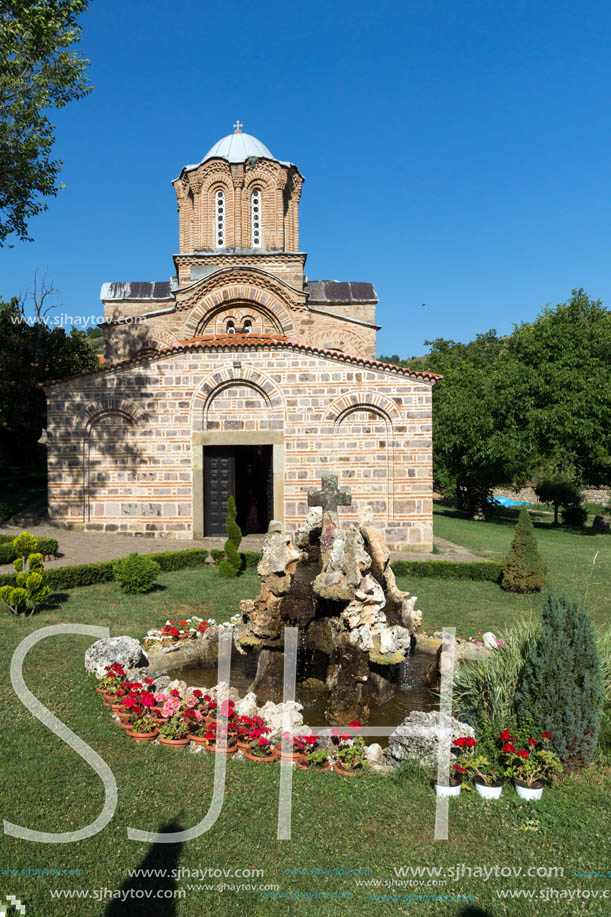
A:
[232,562]
[523,568]
[561,685]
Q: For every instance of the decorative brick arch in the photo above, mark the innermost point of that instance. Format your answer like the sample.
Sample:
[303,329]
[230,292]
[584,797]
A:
[108,405]
[244,294]
[364,401]
[372,403]
[225,378]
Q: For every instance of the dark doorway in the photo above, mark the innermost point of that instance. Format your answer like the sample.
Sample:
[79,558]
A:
[244,472]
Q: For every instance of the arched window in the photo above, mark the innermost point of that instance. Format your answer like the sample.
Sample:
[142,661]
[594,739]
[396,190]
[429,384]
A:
[230,328]
[255,212]
[247,326]
[220,218]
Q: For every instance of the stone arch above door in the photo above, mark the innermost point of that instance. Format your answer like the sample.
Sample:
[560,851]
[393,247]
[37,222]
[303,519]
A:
[233,399]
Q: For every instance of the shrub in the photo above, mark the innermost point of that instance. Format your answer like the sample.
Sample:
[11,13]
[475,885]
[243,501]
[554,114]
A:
[217,555]
[446,569]
[561,684]
[231,564]
[136,573]
[31,586]
[8,551]
[250,559]
[5,511]
[523,568]
[574,515]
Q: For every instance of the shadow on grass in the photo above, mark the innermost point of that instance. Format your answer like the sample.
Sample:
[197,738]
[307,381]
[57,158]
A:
[509,517]
[139,894]
[55,600]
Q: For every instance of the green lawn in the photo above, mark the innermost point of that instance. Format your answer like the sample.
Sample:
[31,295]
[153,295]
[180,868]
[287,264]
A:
[374,823]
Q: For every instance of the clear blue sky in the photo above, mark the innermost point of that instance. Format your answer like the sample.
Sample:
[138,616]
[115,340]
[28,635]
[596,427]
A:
[455,154]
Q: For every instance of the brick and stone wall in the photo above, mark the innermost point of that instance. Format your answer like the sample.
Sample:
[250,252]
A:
[124,444]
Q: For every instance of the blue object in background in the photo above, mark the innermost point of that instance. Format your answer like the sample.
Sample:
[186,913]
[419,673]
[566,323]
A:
[506,501]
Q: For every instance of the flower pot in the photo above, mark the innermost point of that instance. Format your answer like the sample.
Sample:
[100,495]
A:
[108,700]
[453,788]
[143,736]
[174,743]
[268,759]
[229,750]
[532,792]
[101,690]
[116,708]
[306,766]
[124,713]
[125,724]
[293,756]
[197,740]
[489,791]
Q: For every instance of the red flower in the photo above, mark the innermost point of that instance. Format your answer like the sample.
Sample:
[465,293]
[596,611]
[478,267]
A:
[546,735]
[522,753]
[355,724]
[459,769]
[464,742]
[197,693]
[183,623]
[175,692]
[506,736]
[508,747]
[470,742]
[263,741]
[532,741]
[344,738]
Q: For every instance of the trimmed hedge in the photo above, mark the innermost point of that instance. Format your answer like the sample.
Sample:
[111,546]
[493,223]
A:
[250,559]
[447,569]
[43,546]
[103,572]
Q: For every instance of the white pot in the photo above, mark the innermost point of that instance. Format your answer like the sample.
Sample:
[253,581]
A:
[442,790]
[489,792]
[528,792]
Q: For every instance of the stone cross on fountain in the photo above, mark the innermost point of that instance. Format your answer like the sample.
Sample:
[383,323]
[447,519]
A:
[329,497]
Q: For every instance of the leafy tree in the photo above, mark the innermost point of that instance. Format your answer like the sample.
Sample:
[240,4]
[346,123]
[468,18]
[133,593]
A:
[232,562]
[509,407]
[523,568]
[40,71]
[561,686]
[565,355]
[29,355]
[560,490]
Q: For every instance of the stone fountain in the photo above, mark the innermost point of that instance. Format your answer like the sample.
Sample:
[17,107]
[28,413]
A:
[336,586]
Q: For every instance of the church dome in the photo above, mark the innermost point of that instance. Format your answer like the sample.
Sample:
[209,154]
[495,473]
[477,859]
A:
[238,147]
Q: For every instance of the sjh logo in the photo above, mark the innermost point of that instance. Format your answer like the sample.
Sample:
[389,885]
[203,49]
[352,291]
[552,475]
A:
[12,905]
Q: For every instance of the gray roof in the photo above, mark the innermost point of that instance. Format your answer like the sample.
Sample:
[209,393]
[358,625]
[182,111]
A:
[340,291]
[153,290]
[237,147]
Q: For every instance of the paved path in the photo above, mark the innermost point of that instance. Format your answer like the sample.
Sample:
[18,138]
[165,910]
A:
[86,547]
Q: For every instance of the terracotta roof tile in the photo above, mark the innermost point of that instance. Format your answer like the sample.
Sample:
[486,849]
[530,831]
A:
[256,342]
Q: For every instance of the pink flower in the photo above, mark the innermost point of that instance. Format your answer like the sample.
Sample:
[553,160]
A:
[192,701]
[170,707]
[160,697]
[198,715]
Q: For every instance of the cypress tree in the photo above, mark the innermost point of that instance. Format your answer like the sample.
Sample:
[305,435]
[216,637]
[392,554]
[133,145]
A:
[523,568]
[561,685]
[232,562]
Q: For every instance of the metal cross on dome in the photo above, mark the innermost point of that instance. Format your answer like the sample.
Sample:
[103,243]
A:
[237,127]
[329,496]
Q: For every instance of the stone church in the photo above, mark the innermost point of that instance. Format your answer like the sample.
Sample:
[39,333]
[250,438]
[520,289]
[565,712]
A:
[239,376]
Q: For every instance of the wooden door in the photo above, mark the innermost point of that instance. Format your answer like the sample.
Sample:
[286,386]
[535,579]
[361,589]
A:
[219,485]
